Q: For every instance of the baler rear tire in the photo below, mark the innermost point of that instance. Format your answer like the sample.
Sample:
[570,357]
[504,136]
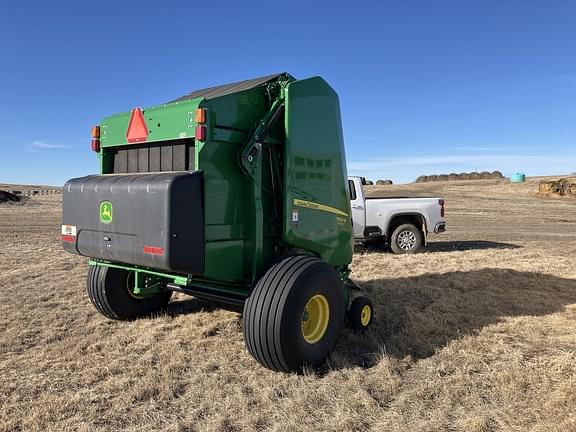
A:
[107,290]
[274,314]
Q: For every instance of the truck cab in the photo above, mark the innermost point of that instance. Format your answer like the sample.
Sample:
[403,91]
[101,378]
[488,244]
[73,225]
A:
[403,223]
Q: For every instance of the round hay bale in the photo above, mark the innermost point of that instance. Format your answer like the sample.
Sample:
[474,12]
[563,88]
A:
[369,182]
[452,176]
[463,176]
[557,188]
[496,175]
[568,186]
[421,179]
[546,187]
[384,182]
[442,177]
[484,175]
[432,178]
[474,176]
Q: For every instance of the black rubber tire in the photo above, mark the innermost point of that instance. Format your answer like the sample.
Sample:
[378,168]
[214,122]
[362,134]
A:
[355,313]
[273,313]
[405,228]
[106,287]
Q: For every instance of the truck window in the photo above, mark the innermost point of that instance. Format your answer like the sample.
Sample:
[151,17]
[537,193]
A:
[352,190]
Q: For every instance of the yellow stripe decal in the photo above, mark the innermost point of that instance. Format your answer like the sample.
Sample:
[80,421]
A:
[316,206]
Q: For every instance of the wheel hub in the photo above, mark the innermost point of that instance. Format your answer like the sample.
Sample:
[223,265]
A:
[365,315]
[406,240]
[315,319]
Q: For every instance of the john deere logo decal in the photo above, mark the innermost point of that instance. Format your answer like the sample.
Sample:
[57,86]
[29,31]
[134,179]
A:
[106,212]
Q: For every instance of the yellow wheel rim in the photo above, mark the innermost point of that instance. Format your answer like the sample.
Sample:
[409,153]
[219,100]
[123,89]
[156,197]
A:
[315,319]
[365,315]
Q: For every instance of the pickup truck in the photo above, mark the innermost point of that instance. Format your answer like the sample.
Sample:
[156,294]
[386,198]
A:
[402,222]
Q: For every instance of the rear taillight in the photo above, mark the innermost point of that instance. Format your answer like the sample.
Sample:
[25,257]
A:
[441,202]
[200,133]
[95,144]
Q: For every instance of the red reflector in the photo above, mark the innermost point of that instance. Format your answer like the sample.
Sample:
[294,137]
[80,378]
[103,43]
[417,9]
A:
[154,250]
[95,145]
[200,133]
[137,130]
[68,238]
[441,202]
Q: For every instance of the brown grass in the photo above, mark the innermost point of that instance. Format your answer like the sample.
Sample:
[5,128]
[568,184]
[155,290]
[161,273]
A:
[476,334]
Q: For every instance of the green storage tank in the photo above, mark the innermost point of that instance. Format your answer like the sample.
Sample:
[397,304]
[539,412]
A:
[518,178]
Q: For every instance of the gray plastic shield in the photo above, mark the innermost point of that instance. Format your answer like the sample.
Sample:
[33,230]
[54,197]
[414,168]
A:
[152,220]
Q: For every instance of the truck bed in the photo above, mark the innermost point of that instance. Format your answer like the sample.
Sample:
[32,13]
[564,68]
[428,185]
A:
[385,196]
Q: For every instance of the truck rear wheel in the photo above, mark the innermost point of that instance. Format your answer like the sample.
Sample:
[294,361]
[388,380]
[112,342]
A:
[406,239]
[294,314]
[110,291]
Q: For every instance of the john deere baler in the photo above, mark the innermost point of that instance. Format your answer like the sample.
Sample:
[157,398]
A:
[234,194]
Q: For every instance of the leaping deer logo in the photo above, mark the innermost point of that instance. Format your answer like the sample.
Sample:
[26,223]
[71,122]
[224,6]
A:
[106,211]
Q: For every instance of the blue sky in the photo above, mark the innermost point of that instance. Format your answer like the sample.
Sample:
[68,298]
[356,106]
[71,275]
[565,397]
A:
[425,87]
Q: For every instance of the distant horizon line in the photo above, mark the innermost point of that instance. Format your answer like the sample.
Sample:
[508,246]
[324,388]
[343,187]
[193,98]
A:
[3,185]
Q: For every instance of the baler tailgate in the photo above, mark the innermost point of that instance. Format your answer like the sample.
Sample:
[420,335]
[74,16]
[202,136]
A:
[316,205]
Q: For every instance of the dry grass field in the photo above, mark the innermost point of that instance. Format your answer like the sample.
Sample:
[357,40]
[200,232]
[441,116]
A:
[476,334]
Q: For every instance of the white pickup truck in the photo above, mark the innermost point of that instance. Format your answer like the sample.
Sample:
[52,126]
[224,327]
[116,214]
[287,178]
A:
[402,222]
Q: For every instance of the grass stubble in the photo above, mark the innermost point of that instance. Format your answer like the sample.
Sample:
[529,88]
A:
[476,334]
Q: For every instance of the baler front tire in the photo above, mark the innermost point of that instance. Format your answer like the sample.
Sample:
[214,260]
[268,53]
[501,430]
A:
[361,314]
[108,291]
[279,330]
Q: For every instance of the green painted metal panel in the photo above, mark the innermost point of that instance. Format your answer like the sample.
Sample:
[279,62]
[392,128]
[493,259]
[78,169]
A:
[225,260]
[225,211]
[165,122]
[237,111]
[316,204]
[231,226]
